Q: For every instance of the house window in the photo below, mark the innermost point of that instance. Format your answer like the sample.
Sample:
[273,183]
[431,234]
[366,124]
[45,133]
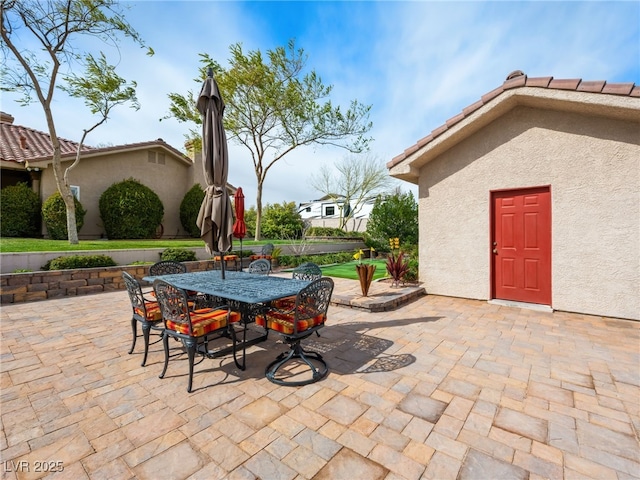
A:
[308,209]
[151,157]
[75,189]
[161,159]
[330,211]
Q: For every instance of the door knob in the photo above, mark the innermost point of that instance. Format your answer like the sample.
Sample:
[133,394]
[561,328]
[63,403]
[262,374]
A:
[495,250]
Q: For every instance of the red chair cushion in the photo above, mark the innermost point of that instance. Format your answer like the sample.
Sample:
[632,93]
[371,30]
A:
[283,323]
[286,303]
[153,312]
[227,258]
[204,321]
[257,257]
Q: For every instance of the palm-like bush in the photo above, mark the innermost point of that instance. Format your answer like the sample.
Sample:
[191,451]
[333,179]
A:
[397,265]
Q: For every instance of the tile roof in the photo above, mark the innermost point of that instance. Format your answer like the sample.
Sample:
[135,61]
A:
[19,144]
[518,79]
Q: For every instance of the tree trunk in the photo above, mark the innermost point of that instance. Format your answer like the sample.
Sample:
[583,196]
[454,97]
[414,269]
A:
[258,212]
[63,188]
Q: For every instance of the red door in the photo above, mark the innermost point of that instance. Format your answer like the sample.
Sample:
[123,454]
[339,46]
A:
[521,245]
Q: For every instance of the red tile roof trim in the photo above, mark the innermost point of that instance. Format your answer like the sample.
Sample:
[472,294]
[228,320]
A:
[21,144]
[574,84]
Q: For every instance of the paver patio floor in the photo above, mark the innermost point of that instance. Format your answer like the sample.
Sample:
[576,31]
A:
[440,388]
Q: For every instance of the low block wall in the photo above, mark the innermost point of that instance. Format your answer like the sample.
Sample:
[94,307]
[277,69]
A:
[34,286]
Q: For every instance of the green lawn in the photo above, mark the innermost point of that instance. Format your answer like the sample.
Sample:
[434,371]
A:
[348,270]
[20,245]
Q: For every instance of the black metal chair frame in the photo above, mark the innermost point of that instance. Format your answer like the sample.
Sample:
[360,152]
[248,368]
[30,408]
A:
[311,301]
[174,305]
[167,267]
[262,266]
[307,271]
[265,251]
[139,301]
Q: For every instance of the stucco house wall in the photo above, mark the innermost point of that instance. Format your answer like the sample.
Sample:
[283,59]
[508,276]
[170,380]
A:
[584,146]
[591,165]
[94,174]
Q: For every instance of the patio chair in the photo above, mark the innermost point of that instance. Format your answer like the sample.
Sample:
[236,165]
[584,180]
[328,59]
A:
[261,266]
[265,252]
[145,311]
[194,328]
[308,315]
[167,267]
[306,271]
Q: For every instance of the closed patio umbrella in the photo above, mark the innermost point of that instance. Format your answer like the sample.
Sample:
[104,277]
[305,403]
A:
[215,218]
[239,226]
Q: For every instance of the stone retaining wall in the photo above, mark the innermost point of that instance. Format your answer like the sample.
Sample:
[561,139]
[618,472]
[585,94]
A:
[34,286]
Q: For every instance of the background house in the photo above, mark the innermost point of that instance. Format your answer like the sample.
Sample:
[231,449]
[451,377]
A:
[532,194]
[26,156]
[327,212]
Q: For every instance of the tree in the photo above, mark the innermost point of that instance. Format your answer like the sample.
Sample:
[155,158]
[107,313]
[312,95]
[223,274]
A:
[273,107]
[393,216]
[59,26]
[351,183]
[282,221]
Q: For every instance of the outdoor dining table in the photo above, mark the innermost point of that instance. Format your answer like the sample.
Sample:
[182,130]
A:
[248,293]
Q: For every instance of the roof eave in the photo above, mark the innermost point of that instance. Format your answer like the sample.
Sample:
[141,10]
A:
[445,137]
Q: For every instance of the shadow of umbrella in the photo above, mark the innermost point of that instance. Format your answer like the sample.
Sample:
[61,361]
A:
[215,218]
[239,227]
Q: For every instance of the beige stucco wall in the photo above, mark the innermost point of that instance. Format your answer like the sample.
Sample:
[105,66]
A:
[170,181]
[592,165]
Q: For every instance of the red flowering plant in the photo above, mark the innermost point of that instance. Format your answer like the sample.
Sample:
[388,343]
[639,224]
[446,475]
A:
[397,265]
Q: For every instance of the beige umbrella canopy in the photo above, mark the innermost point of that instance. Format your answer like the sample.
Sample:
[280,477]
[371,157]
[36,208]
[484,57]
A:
[215,218]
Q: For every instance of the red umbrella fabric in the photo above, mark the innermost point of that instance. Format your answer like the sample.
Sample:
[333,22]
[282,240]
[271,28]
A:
[215,218]
[239,227]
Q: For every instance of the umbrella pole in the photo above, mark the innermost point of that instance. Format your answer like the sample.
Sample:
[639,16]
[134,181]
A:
[241,257]
[222,262]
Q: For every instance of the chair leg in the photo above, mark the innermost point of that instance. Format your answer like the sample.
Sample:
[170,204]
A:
[191,352]
[165,341]
[146,331]
[134,327]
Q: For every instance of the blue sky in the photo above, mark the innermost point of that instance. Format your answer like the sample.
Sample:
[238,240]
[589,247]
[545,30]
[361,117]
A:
[416,63]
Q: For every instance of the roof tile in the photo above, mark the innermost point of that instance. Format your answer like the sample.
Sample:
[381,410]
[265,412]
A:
[439,131]
[472,108]
[565,83]
[592,86]
[538,81]
[515,82]
[424,140]
[20,144]
[618,88]
[487,97]
[635,92]
[453,120]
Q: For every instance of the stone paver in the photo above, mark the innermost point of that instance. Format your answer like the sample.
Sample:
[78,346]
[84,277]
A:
[439,388]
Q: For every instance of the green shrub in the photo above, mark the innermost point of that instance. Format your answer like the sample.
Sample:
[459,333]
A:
[19,211]
[189,209]
[320,259]
[79,261]
[130,210]
[282,221]
[325,232]
[54,215]
[178,255]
